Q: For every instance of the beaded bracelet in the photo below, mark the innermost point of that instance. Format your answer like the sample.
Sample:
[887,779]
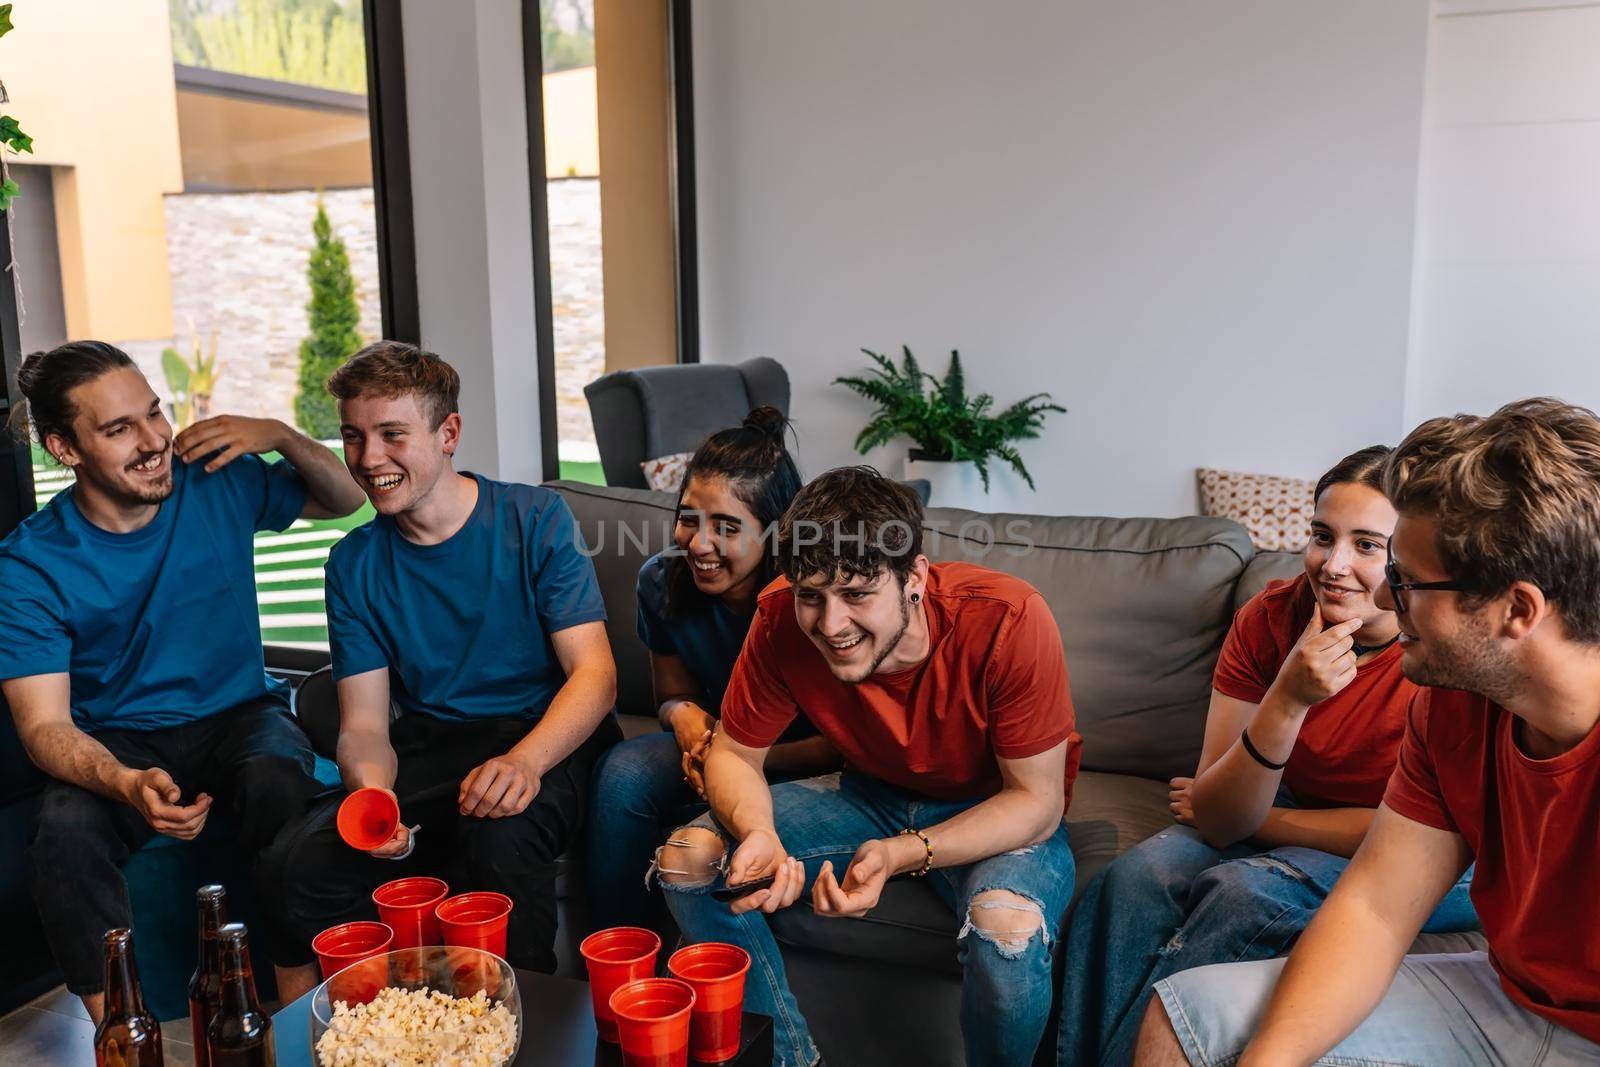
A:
[927,864]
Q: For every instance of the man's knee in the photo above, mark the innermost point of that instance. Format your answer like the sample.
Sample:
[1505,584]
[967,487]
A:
[692,856]
[280,777]
[1009,921]
[70,821]
[1158,1041]
[1238,884]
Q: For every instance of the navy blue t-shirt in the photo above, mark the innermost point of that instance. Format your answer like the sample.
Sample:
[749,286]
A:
[157,627]
[464,625]
[706,635]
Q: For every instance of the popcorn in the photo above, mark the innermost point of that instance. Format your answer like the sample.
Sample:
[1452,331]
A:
[419,1028]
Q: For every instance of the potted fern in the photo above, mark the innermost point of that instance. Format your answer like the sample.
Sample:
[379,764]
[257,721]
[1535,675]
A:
[955,436]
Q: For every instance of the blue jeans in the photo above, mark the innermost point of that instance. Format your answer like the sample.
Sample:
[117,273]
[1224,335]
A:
[639,793]
[1172,903]
[1005,992]
[1440,1011]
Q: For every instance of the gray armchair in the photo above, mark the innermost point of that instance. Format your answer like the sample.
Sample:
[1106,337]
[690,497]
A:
[658,411]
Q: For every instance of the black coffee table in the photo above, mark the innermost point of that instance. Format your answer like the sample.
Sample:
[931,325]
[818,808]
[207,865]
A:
[558,1029]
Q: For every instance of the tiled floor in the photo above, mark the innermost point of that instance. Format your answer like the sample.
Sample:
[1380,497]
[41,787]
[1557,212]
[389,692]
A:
[55,1031]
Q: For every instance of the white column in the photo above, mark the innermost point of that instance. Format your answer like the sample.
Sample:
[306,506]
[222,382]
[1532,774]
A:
[469,172]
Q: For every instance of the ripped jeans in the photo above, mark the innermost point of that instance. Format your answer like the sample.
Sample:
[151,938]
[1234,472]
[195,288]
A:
[1005,992]
[1172,903]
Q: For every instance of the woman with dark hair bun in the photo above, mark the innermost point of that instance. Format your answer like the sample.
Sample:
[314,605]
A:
[696,600]
[1308,706]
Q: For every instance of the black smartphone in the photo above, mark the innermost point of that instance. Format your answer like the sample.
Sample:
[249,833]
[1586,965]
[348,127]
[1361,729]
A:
[743,889]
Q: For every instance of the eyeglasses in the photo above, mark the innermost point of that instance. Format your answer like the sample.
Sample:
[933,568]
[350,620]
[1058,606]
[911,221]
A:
[1398,589]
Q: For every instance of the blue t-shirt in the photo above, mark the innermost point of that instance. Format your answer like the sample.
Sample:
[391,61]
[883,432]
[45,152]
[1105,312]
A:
[157,627]
[464,625]
[706,635]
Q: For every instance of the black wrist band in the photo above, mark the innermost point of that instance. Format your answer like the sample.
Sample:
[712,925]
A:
[1255,753]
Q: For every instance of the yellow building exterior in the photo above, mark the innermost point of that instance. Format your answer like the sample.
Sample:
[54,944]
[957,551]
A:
[92,83]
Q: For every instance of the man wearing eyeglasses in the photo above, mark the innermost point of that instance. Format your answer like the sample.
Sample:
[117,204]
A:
[1495,576]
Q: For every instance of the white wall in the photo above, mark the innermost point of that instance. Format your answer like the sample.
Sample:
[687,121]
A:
[474,228]
[1507,296]
[1191,222]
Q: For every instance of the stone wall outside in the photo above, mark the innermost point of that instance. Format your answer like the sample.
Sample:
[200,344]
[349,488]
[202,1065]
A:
[238,263]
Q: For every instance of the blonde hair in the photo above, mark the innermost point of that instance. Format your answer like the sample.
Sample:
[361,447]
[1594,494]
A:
[394,368]
[1516,497]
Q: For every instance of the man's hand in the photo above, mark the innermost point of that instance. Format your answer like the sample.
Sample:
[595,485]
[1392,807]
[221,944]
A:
[1181,800]
[871,866]
[1320,664]
[231,436]
[155,795]
[761,854]
[495,788]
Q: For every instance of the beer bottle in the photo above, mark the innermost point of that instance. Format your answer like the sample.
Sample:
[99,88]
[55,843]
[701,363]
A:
[205,986]
[128,1035]
[240,1034]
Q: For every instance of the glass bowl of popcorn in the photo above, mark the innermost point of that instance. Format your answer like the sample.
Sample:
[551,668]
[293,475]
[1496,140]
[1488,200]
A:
[418,1007]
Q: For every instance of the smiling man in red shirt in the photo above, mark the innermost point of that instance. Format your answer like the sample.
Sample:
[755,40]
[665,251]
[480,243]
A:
[1495,576]
[944,686]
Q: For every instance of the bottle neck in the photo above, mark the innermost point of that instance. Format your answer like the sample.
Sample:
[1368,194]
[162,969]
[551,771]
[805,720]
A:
[123,996]
[238,980]
[211,920]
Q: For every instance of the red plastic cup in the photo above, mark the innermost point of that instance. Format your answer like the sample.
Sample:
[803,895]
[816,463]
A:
[653,1022]
[715,971]
[347,948]
[367,818]
[616,957]
[406,906]
[476,920]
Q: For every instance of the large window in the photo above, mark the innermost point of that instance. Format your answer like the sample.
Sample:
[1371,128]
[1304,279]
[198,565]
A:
[202,196]
[614,99]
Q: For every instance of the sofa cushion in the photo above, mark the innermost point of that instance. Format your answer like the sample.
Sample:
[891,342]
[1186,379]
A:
[1266,567]
[622,528]
[1142,604]
[912,926]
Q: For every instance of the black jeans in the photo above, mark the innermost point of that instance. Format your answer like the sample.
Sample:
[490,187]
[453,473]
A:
[318,881]
[254,761]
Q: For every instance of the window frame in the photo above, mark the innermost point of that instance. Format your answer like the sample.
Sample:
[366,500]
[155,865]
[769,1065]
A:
[17,500]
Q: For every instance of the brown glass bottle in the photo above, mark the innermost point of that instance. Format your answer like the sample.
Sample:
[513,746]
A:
[240,1034]
[128,1035]
[205,985]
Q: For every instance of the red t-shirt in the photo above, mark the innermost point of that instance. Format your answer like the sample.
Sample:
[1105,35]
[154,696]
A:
[994,683]
[1347,743]
[1534,828]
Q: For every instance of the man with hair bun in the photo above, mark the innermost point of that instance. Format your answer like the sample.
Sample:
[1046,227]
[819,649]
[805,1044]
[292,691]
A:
[470,607]
[1494,574]
[944,686]
[130,645]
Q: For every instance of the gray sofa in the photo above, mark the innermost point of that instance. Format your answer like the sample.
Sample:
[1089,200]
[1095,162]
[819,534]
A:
[660,411]
[1143,606]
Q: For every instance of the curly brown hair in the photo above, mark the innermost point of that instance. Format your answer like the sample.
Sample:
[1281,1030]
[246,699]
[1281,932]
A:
[850,521]
[1516,497]
[394,368]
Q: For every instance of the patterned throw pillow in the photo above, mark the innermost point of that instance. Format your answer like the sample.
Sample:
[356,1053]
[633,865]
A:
[664,474]
[1276,511]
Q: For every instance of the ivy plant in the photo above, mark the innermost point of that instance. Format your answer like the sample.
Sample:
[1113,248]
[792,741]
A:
[10,132]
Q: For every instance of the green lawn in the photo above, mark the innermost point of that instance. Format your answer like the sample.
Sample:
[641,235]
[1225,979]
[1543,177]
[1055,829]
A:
[288,564]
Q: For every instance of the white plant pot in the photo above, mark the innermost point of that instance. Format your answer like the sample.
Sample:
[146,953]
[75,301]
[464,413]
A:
[954,484]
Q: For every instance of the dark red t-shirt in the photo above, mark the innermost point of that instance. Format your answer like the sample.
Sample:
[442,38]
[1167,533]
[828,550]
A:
[1347,743]
[994,683]
[1533,827]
